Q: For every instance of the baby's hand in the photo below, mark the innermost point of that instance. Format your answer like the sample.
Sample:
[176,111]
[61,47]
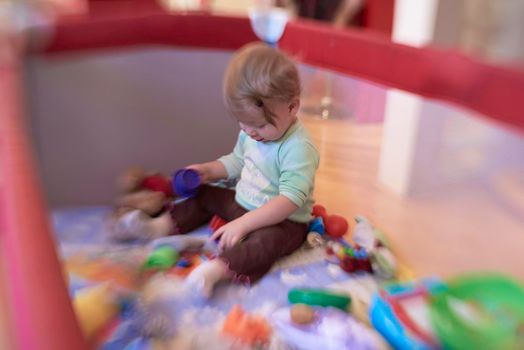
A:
[202,170]
[230,234]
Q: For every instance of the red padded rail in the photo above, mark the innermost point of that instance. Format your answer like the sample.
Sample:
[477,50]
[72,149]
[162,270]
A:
[495,91]
[195,30]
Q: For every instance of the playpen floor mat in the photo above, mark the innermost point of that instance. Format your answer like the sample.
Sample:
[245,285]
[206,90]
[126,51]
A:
[90,259]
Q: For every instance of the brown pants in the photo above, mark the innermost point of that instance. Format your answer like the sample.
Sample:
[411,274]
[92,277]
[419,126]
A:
[254,256]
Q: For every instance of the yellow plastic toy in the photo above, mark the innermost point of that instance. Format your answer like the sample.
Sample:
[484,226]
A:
[95,307]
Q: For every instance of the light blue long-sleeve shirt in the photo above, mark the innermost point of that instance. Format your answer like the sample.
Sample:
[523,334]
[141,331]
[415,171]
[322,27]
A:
[267,169]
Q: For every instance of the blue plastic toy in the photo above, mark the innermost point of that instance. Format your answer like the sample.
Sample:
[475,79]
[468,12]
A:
[183,263]
[317,225]
[186,182]
[140,343]
[399,313]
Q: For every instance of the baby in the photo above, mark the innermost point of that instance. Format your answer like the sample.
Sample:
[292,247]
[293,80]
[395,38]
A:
[275,163]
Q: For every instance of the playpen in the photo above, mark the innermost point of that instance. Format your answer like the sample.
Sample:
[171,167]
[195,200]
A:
[129,56]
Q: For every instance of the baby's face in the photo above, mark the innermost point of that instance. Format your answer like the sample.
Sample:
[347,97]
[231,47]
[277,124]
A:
[259,129]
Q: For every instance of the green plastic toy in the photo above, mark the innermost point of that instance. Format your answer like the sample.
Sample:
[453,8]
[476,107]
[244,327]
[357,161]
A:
[319,297]
[480,312]
[162,258]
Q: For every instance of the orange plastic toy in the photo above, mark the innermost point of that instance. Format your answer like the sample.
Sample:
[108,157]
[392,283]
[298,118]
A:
[103,270]
[248,329]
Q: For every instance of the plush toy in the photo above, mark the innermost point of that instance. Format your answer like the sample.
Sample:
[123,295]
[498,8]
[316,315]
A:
[143,191]
[140,212]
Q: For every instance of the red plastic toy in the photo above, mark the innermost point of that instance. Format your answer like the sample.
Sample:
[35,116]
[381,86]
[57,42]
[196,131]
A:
[336,226]
[216,223]
[319,210]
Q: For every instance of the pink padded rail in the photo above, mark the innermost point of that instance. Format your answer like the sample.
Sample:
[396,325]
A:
[40,309]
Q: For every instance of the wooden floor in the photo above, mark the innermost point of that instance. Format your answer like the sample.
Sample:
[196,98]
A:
[469,227]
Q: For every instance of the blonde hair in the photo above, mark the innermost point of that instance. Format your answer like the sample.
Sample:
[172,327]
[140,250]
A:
[256,75]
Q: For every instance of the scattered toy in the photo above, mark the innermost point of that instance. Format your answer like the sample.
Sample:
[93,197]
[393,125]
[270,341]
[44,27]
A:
[302,314]
[251,330]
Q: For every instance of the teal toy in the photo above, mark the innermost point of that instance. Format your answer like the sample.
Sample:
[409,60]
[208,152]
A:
[319,297]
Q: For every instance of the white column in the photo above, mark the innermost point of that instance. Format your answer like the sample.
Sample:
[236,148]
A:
[402,142]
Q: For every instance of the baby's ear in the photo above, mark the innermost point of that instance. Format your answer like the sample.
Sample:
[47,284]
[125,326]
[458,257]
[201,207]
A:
[294,106]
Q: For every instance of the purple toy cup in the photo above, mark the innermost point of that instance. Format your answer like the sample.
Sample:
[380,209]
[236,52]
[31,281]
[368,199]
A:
[186,182]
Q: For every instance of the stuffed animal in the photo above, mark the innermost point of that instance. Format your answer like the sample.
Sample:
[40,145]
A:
[140,210]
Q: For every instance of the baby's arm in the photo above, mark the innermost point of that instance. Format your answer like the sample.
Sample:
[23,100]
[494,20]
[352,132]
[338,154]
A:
[210,171]
[276,210]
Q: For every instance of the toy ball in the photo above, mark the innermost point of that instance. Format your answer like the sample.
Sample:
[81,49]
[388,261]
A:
[158,183]
[336,226]
[319,210]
